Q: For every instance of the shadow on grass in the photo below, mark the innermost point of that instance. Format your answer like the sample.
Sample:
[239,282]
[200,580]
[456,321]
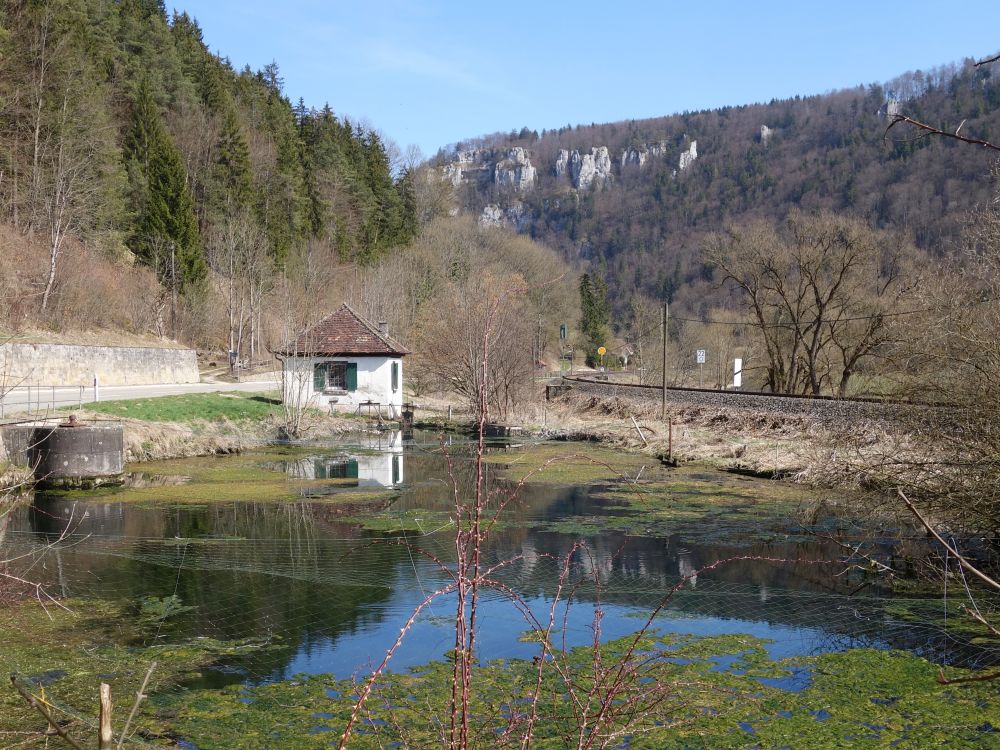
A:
[266,400]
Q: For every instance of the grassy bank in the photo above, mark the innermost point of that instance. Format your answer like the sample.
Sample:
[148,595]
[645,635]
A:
[206,423]
[237,407]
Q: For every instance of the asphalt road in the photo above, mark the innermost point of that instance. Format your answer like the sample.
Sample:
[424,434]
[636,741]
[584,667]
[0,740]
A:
[35,400]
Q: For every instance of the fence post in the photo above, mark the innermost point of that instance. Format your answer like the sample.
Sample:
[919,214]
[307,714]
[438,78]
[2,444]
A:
[53,397]
[97,389]
[105,738]
[81,396]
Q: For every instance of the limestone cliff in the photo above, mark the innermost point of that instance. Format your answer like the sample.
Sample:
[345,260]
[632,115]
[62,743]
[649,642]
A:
[515,171]
[586,169]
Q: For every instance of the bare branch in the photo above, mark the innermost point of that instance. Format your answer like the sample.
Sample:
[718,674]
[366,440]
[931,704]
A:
[44,711]
[139,696]
[931,130]
[931,530]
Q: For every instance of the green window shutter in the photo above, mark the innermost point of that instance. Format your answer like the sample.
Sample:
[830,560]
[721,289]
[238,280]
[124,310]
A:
[395,376]
[319,377]
[352,376]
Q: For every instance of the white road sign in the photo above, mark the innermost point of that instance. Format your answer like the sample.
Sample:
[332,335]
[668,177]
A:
[700,357]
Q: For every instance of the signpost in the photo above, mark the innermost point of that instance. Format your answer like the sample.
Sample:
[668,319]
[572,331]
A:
[737,373]
[700,359]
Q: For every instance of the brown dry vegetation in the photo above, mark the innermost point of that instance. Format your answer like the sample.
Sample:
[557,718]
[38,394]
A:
[94,294]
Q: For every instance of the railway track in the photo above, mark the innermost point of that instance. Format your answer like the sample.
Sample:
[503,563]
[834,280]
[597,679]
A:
[824,408]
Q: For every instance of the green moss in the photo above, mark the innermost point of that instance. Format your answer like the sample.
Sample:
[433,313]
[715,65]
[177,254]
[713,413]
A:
[565,463]
[411,521]
[248,477]
[716,692]
[860,698]
[71,650]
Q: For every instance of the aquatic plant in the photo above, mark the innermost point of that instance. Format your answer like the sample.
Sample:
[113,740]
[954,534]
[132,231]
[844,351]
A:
[586,703]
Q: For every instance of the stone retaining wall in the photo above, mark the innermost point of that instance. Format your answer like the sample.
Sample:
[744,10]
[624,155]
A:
[63,364]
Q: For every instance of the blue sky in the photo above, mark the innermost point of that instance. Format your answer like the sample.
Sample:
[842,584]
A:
[432,73]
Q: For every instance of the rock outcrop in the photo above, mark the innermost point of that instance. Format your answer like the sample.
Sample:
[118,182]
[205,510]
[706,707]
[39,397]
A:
[511,169]
[765,134]
[890,109]
[492,216]
[474,160]
[586,169]
[515,171]
[688,156]
[633,157]
[639,155]
[512,217]
[562,163]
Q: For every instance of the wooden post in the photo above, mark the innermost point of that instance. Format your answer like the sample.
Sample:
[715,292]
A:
[105,740]
[670,441]
[663,396]
[641,436]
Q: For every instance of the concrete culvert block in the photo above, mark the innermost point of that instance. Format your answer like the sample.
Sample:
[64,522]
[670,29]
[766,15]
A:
[77,456]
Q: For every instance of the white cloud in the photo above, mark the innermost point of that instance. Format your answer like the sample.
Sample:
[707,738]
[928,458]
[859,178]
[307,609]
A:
[386,56]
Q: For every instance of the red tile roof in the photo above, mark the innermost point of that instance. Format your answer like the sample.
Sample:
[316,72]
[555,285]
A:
[343,333]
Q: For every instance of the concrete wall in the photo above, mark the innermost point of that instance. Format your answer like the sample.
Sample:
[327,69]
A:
[63,364]
[374,383]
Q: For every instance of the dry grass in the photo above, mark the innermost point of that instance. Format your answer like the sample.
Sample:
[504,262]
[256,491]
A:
[753,440]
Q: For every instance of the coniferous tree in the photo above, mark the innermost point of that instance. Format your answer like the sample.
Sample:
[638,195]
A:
[595,314]
[165,230]
[233,170]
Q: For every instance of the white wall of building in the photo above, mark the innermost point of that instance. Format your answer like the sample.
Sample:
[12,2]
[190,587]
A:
[374,383]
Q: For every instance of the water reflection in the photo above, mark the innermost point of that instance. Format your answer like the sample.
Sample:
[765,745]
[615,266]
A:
[331,599]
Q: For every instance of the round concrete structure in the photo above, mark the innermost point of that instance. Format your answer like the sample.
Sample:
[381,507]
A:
[78,455]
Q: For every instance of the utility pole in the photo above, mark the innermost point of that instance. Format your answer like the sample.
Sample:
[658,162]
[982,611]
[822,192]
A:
[538,348]
[663,395]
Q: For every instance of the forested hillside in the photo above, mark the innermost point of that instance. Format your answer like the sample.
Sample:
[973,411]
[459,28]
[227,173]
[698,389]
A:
[125,144]
[639,210]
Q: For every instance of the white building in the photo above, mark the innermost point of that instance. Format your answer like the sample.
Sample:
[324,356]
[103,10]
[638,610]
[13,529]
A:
[344,362]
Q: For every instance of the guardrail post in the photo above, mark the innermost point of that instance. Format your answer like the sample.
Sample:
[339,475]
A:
[53,397]
[97,389]
[81,396]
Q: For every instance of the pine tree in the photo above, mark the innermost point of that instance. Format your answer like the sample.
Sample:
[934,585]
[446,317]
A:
[165,231]
[595,313]
[233,172]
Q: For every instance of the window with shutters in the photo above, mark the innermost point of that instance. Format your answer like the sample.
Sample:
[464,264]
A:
[395,376]
[334,376]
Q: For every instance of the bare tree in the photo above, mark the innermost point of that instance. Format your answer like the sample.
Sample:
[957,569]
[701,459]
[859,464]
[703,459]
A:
[820,294]
[452,342]
[240,255]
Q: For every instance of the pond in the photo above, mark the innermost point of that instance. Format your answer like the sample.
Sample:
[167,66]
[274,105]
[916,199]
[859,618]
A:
[299,549]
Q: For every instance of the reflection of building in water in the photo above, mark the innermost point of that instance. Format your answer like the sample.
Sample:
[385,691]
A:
[384,440]
[377,470]
[686,568]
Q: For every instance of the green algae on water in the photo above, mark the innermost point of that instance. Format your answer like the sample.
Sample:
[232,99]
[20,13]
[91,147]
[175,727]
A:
[717,692]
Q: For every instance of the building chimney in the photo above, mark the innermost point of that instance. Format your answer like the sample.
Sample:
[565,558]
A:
[383,328]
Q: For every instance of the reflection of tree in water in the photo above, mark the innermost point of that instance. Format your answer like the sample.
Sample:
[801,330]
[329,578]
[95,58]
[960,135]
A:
[246,570]
[295,571]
